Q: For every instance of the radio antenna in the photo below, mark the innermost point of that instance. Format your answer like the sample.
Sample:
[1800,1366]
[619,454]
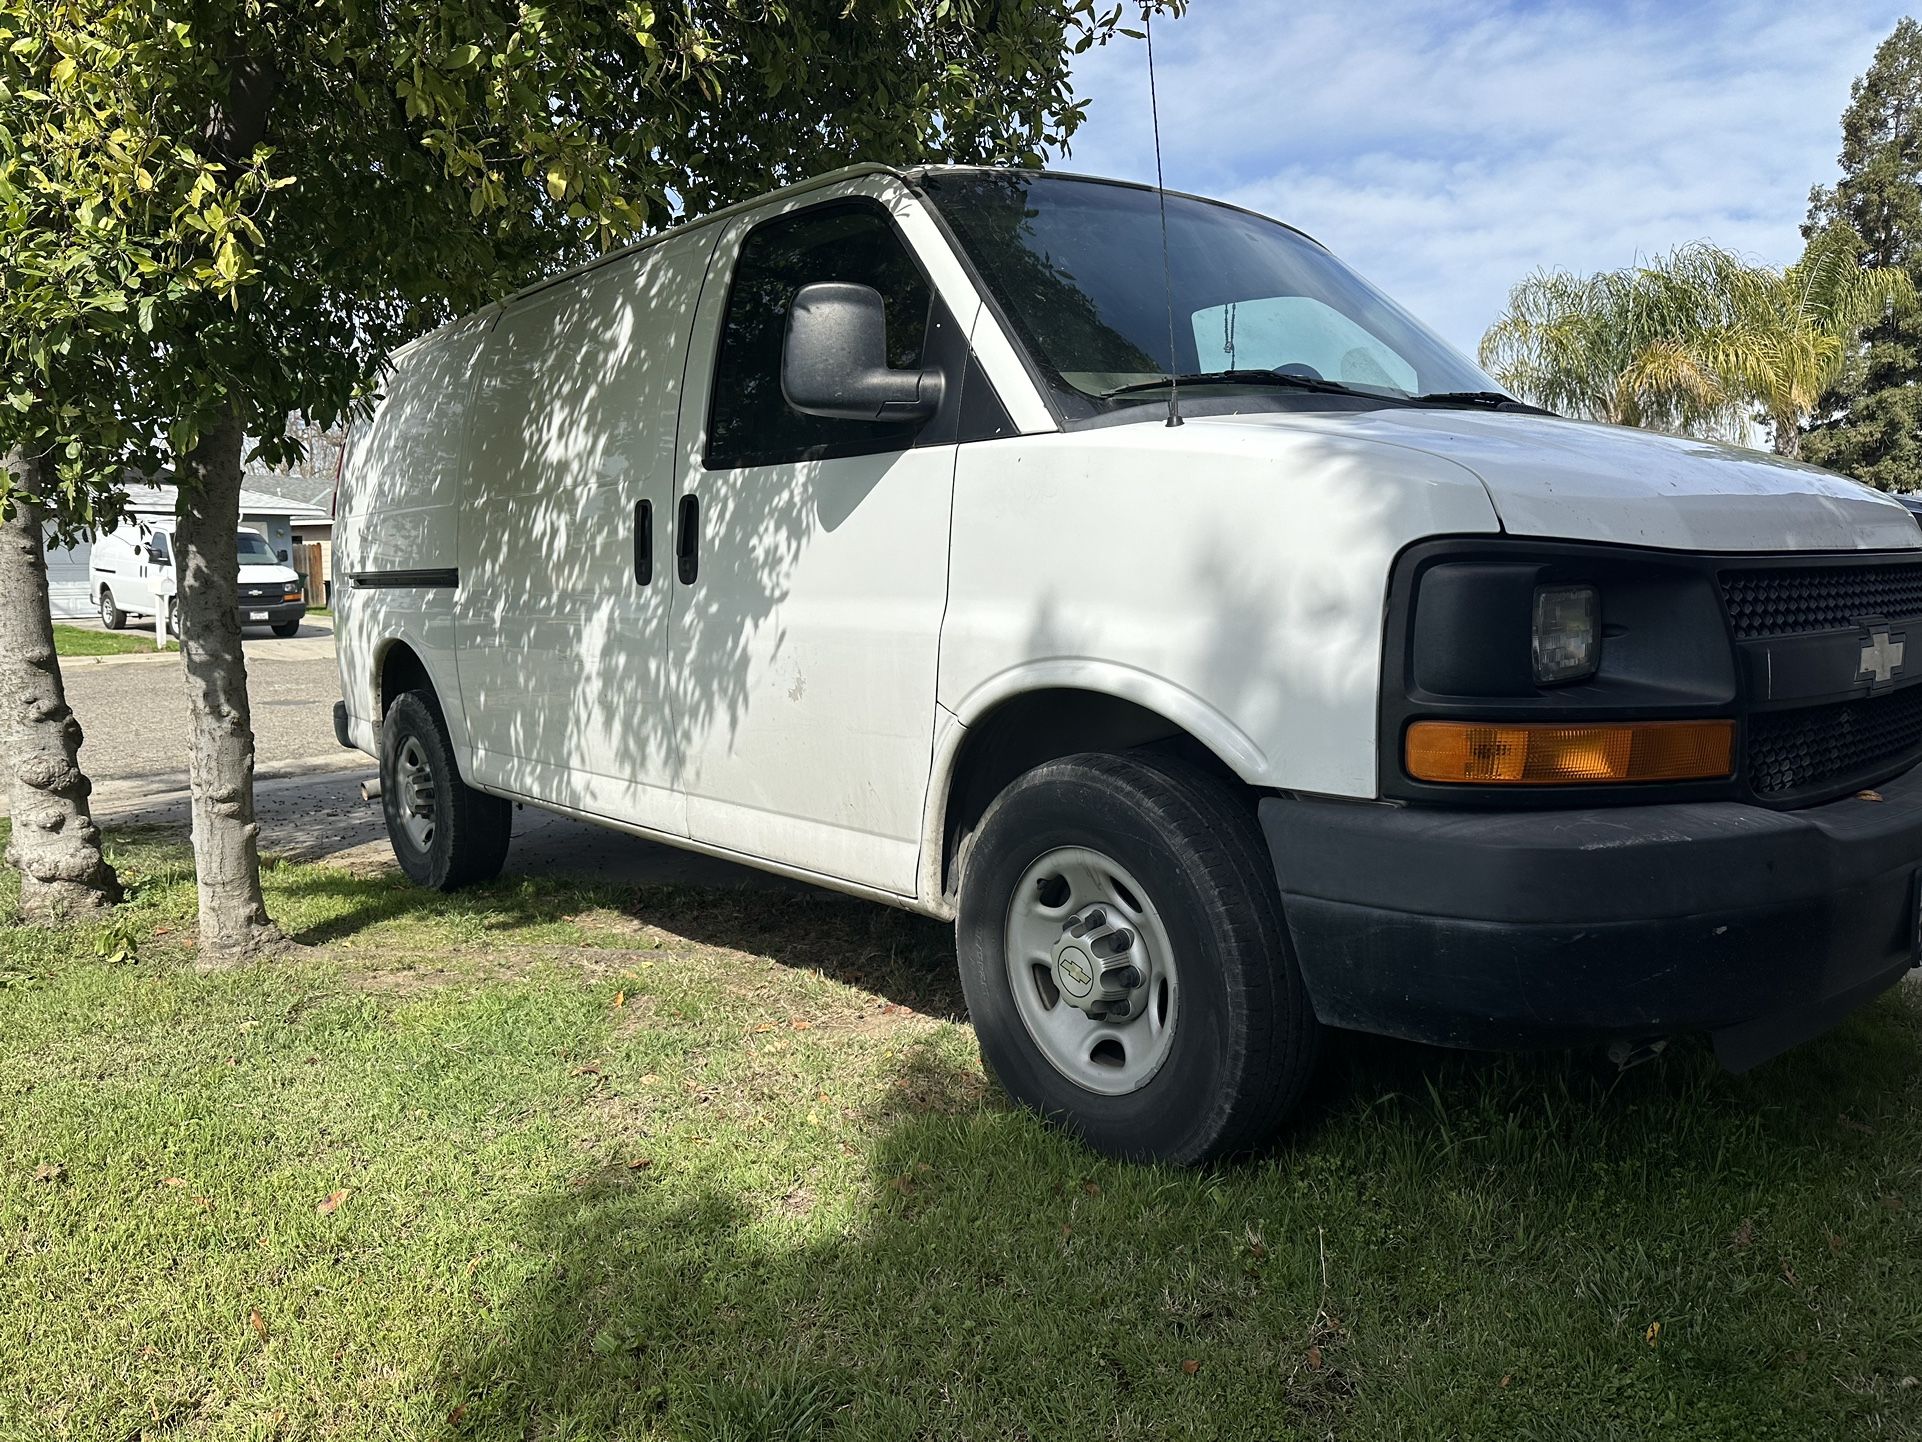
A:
[1161,194]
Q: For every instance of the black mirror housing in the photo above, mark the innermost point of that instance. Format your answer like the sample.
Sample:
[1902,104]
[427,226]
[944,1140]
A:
[834,361]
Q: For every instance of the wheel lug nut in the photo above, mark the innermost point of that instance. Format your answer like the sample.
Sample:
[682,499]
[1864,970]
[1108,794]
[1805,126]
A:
[1128,978]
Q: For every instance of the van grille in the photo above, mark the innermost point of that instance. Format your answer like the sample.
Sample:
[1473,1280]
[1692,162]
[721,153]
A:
[1793,600]
[1794,751]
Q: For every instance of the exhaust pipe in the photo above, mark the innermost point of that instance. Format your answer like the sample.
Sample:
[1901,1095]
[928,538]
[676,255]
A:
[370,790]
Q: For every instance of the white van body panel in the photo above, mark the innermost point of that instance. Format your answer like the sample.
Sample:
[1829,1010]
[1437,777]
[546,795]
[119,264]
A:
[397,515]
[1581,480]
[119,562]
[1229,576]
[562,652]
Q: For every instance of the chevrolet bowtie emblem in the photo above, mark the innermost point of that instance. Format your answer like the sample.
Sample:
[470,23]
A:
[1881,655]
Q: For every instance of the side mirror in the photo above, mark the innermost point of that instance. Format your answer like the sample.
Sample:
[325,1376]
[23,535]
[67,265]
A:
[835,360]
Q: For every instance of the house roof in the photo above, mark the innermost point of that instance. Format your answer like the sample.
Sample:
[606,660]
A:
[149,498]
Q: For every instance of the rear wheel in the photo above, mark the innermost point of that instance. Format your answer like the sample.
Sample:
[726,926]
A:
[111,616]
[445,834]
[1125,960]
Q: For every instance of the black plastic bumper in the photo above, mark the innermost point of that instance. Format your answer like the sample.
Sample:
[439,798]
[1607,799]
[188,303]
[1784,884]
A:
[1508,929]
[340,724]
[278,614]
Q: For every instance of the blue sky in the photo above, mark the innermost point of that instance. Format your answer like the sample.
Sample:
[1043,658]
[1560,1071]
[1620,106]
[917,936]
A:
[1447,150]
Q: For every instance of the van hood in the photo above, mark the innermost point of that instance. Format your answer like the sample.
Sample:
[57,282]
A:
[1577,480]
[268,575]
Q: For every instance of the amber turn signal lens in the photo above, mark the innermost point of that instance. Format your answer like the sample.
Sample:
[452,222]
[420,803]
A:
[1540,755]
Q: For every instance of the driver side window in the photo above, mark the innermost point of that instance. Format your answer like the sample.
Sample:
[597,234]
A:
[749,421]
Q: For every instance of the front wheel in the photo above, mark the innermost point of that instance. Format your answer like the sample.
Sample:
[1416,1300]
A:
[445,833]
[1125,960]
[286,628]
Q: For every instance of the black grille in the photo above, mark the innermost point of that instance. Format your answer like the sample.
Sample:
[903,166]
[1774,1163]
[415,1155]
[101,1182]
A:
[261,593]
[1791,600]
[1791,751]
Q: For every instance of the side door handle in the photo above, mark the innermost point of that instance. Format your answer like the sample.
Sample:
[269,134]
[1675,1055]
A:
[687,540]
[643,542]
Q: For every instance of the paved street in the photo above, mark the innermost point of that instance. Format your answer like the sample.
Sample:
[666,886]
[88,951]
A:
[307,789]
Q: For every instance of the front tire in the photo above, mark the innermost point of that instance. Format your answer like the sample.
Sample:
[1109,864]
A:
[445,834]
[111,616]
[1125,960]
[286,628]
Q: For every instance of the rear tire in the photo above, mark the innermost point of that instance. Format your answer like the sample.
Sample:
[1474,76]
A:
[1148,872]
[445,834]
[111,616]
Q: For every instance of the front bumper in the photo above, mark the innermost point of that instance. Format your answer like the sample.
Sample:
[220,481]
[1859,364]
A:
[1508,929]
[278,613]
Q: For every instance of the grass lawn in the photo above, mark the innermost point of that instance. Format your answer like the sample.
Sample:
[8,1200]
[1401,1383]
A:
[558,1161]
[84,641]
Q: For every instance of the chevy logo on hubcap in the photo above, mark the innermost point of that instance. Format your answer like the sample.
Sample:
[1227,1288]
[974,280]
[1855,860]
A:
[1881,655]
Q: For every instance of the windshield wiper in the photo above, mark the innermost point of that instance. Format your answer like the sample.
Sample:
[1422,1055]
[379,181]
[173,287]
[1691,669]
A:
[1279,379]
[1490,400]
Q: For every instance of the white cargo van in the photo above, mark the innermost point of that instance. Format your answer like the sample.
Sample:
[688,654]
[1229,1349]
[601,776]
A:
[848,533]
[130,572]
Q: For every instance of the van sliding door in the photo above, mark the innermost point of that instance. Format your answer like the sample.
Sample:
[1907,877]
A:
[571,456]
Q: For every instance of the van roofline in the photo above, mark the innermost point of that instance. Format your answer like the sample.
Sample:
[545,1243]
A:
[908,175]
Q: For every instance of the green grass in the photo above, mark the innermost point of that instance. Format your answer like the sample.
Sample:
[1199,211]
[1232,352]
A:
[84,641]
[320,610]
[681,1164]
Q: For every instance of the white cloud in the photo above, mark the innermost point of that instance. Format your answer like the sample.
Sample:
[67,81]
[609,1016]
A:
[1446,152]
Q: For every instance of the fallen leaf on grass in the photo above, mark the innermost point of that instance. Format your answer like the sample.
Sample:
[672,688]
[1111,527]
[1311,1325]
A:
[258,1323]
[620,998]
[588,1070]
[1744,1235]
[1654,1334]
[50,1172]
[1191,1366]
[453,1417]
[800,1025]
[640,1164]
[1507,1377]
[1314,1359]
[1093,1189]
[331,1202]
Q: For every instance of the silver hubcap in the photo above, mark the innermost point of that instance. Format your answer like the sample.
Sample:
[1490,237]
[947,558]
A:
[414,793]
[1092,971]
[106,606]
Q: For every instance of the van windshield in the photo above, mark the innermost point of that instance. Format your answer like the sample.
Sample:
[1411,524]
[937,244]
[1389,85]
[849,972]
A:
[254,550]
[1077,268]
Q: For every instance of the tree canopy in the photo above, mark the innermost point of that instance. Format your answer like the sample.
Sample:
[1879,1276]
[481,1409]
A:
[1868,423]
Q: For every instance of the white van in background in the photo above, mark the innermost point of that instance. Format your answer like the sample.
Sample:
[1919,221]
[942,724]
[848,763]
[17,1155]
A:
[131,569]
[853,533]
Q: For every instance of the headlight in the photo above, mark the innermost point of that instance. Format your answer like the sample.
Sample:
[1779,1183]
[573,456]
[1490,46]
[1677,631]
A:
[1567,641]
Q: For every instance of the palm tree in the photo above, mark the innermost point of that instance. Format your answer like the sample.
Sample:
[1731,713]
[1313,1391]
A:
[1618,346]
[1689,342]
[1791,332]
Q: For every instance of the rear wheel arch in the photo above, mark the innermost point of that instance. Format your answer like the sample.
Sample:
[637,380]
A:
[1034,727]
[401,669]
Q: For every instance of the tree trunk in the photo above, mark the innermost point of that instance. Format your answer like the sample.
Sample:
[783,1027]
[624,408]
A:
[54,842]
[1788,438]
[220,755]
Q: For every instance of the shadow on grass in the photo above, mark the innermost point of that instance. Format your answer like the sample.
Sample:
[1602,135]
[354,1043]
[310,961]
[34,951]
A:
[1453,1222]
[906,958]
